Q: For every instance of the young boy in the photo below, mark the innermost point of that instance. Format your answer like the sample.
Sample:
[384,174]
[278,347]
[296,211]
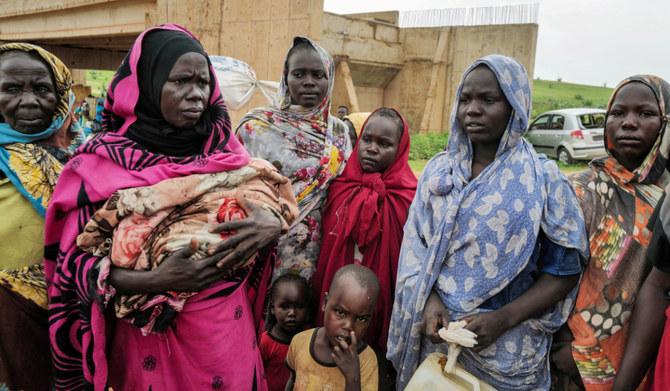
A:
[335,356]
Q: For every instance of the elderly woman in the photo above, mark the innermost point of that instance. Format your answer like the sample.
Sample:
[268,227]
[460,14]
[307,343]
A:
[309,146]
[164,122]
[618,194]
[494,237]
[38,134]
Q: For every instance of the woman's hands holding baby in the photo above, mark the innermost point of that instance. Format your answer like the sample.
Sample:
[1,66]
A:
[251,235]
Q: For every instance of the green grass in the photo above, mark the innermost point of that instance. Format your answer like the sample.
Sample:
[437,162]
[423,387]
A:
[552,95]
[99,81]
[418,165]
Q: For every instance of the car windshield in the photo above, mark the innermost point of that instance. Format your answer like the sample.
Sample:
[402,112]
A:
[592,120]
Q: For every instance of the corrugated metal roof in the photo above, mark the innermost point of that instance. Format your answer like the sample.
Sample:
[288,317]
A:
[508,14]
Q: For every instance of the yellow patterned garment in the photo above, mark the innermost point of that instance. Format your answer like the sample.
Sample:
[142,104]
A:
[21,230]
[36,168]
[29,282]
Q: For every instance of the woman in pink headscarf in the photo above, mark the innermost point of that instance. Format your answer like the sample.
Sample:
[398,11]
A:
[164,119]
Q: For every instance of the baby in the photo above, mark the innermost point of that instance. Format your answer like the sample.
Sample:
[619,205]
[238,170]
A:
[335,356]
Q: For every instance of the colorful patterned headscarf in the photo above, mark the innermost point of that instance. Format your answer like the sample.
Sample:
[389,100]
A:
[308,146]
[657,159]
[33,161]
[617,205]
[468,239]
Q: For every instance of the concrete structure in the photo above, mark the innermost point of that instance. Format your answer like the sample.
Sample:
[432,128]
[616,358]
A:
[415,70]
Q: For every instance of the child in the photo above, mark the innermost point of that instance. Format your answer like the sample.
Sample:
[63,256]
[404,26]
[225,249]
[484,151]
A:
[334,357]
[494,236]
[365,212]
[289,299]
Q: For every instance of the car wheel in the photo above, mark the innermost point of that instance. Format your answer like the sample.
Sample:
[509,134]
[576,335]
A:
[564,156]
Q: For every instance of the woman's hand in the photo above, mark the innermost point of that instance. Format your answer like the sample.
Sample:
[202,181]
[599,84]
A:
[252,234]
[175,273]
[488,326]
[435,316]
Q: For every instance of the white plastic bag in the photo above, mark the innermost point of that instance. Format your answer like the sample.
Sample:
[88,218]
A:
[238,82]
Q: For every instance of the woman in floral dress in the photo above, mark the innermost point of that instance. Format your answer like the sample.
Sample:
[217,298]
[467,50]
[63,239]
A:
[298,135]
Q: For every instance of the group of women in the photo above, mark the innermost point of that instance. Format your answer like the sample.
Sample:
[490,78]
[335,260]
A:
[545,270]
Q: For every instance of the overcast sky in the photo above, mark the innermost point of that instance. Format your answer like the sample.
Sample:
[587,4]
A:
[582,41]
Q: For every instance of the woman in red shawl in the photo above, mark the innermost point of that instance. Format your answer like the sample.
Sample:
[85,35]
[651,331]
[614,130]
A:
[365,214]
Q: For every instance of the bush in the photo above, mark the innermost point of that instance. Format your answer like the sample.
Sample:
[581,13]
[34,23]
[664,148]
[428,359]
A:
[425,146]
[588,103]
[579,97]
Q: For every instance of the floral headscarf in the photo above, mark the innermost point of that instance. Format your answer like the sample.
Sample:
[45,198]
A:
[657,159]
[308,146]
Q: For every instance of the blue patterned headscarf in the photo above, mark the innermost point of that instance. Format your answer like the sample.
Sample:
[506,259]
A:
[468,239]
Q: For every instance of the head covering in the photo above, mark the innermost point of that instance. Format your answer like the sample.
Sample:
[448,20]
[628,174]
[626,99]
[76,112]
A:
[283,97]
[130,163]
[308,146]
[617,205]
[151,129]
[108,162]
[657,159]
[468,239]
[33,161]
[367,210]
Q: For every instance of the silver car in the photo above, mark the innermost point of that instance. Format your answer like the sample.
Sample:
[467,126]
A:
[569,134]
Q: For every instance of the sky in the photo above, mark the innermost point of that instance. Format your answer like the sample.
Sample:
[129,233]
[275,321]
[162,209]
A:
[589,42]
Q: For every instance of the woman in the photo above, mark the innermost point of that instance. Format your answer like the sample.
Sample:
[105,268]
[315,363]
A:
[494,236]
[618,194]
[308,145]
[164,118]
[38,134]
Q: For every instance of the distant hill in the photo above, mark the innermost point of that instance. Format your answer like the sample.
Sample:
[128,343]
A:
[552,95]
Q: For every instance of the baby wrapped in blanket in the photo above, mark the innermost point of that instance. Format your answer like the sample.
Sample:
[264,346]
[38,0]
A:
[138,227]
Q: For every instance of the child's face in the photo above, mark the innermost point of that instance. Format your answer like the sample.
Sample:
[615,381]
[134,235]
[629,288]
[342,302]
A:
[483,110]
[633,124]
[378,144]
[347,308]
[289,306]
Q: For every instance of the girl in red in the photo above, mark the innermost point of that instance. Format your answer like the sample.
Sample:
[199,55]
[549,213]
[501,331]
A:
[364,217]
[289,301]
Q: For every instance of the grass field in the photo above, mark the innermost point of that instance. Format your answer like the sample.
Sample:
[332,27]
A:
[417,167]
[98,80]
[552,95]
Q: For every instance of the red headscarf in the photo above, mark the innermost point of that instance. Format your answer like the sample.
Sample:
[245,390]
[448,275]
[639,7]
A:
[368,209]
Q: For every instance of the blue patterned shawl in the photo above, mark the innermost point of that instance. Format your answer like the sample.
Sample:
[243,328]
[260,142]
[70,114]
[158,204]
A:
[469,239]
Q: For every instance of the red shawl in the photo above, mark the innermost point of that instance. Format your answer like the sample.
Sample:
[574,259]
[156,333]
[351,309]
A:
[369,210]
